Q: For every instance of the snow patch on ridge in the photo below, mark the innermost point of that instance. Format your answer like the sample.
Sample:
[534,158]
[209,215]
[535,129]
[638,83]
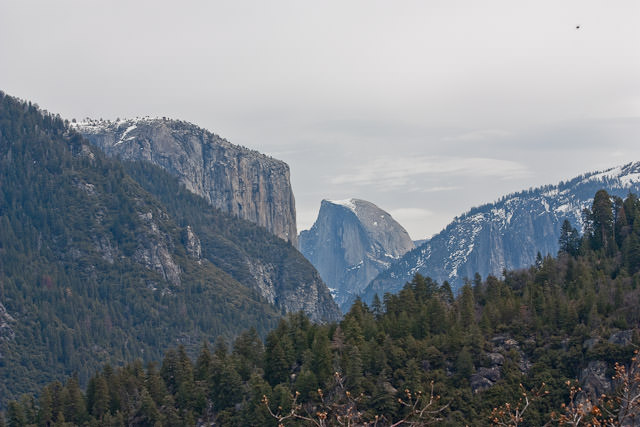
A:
[347,203]
[122,137]
[608,174]
[629,179]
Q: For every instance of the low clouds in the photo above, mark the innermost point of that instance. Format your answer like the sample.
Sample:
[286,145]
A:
[431,106]
[410,213]
[478,136]
[407,172]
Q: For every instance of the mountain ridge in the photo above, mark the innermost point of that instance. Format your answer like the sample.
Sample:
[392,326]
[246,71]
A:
[507,233]
[232,178]
[95,269]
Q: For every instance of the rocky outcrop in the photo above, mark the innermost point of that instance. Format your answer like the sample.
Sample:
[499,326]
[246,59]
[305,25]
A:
[309,294]
[507,234]
[622,338]
[154,251]
[231,178]
[6,331]
[484,378]
[594,380]
[193,245]
[248,253]
[487,376]
[350,243]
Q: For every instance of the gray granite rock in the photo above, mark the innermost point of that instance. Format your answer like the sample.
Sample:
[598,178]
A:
[622,338]
[350,243]
[231,178]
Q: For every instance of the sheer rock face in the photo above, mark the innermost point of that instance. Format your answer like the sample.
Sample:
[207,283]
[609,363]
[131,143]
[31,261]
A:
[231,178]
[350,243]
[507,234]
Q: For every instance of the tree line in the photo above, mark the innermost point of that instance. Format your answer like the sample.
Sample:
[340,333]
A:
[418,356]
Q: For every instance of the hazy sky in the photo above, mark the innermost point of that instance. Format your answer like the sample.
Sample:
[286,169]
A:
[425,108]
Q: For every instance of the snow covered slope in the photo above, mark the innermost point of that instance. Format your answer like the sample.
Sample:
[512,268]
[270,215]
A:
[506,234]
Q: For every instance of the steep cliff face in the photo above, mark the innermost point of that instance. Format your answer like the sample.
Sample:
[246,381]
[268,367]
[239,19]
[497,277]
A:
[507,234]
[231,178]
[86,251]
[247,252]
[120,261]
[351,242]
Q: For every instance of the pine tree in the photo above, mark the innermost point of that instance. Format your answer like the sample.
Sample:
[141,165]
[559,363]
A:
[74,406]
[321,356]
[376,307]
[249,352]
[154,384]
[569,240]
[464,365]
[147,414]
[203,364]
[15,415]
[446,292]
[466,306]
[353,371]
[602,220]
[45,413]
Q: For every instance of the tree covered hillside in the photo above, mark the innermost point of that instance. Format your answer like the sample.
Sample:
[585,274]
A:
[247,252]
[93,268]
[415,357]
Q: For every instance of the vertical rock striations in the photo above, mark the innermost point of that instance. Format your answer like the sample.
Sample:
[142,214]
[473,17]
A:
[351,242]
[231,178]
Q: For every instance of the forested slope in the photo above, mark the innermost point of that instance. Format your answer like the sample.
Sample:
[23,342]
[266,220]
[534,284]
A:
[93,268]
[567,318]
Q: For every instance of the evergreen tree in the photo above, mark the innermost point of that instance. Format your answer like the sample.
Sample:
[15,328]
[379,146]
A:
[466,306]
[276,363]
[321,356]
[15,415]
[74,405]
[98,396]
[203,364]
[376,307]
[602,220]
[569,240]
[447,293]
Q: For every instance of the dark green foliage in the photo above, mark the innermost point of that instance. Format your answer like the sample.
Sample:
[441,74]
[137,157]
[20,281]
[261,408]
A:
[569,238]
[602,221]
[83,263]
[536,322]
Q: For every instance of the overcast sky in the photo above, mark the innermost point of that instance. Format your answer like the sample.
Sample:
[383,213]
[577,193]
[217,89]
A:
[425,108]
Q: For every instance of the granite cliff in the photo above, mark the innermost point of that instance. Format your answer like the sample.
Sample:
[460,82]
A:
[107,261]
[231,178]
[351,242]
[247,252]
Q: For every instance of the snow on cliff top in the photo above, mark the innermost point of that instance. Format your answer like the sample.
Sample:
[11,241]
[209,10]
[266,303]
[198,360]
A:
[347,203]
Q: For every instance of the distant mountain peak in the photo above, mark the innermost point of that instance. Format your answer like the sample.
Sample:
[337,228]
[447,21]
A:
[352,241]
[506,234]
[347,203]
